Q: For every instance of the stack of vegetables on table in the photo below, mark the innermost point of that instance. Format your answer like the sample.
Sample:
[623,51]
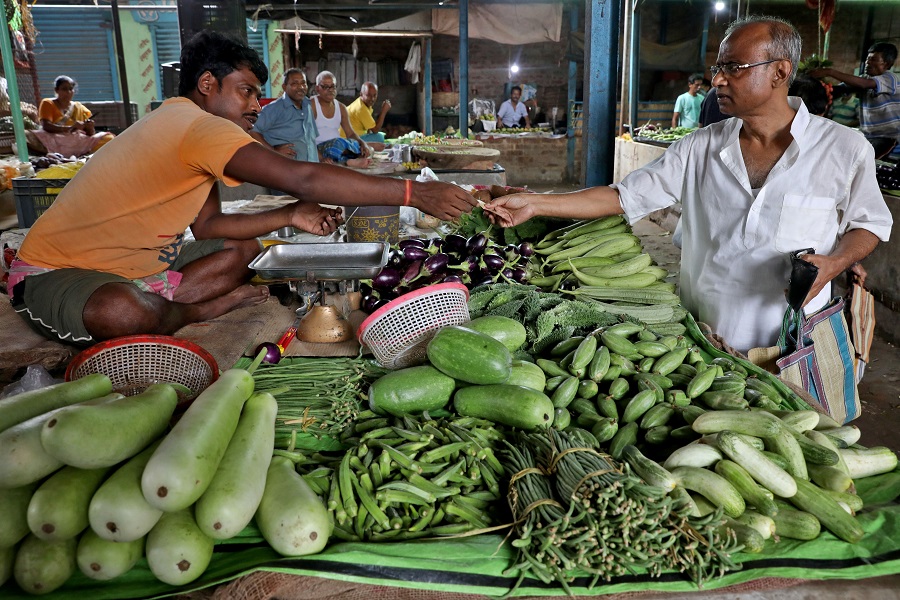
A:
[581,415]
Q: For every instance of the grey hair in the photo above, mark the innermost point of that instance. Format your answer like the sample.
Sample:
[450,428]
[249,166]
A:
[366,86]
[321,77]
[786,41]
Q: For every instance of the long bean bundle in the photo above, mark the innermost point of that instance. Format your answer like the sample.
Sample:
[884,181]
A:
[320,396]
[579,512]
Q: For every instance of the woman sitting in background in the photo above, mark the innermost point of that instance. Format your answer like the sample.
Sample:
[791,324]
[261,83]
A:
[66,125]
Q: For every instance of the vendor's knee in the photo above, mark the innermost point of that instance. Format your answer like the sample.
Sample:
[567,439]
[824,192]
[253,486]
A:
[245,250]
[118,309]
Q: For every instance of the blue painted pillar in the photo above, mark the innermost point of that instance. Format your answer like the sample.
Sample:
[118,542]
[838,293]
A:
[600,64]
[464,68]
[426,74]
[570,130]
[704,39]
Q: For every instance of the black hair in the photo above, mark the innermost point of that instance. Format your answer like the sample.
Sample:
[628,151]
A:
[696,77]
[514,88]
[219,54]
[812,92]
[887,51]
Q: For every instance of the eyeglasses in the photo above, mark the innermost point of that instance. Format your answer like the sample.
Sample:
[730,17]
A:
[733,68]
[328,87]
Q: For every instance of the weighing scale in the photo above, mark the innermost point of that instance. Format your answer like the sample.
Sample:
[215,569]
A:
[315,270]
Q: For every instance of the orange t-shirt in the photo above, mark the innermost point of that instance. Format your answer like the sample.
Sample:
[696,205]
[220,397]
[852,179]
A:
[50,112]
[126,210]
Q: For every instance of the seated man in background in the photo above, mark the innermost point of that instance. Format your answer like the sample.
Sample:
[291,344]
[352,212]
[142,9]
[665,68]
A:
[287,125]
[361,113]
[332,120]
[512,111]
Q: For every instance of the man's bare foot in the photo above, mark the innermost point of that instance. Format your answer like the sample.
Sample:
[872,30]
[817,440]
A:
[359,163]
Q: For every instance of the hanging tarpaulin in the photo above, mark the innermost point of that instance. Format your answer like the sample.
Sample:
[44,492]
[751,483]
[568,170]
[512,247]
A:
[504,23]
[826,10]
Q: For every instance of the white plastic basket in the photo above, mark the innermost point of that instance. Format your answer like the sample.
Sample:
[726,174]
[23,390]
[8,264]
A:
[398,332]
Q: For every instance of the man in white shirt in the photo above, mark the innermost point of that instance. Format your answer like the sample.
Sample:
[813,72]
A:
[512,111]
[754,188]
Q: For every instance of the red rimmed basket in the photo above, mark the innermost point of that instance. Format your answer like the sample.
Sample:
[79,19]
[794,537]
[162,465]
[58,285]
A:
[135,362]
[398,332]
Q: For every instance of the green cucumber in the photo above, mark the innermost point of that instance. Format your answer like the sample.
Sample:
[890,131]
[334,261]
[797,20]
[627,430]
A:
[411,391]
[584,353]
[604,429]
[658,434]
[813,452]
[617,343]
[551,368]
[129,425]
[693,455]
[656,416]
[177,551]
[651,349]
[587,389]
[785,444]
[186,460]
[59,507]
[599,365]
[757,424]
[747,536]
[291,517]
[870,461]
[763,524]
[507,331]
[746,487]
[43,566]
[796,524]
[618,388]
[233,495]
[526,374]
[14,514]
[711,486]
[469,356]
[24,458]
[700,382]
[830,478]
[763,470]
[27,405]
[565,393]
[625,436]
[606,406]
[118,511]
[638,405]
[724,401]
[829,513]
[668,362]
[648,470]
[562,418]
[103,560]
[511,405]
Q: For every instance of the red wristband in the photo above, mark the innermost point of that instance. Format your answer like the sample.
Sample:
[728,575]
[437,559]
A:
[408,196]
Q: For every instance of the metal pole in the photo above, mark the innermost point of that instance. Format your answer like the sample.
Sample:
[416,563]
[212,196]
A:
[570,131]
[464,68]
[634,68]
[626,51]
[120,59]
[12,86]
[600,63]
[426,117]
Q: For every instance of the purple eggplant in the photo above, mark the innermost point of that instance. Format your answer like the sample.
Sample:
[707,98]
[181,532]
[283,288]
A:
[526,249]
[379,304]
[483,281]
[511,252]
[476,244]
[414,253]
[518,275]
[387,279]
[436,264]
[493,263]
[404,244]
[452,279]
[507,274]
[395,258]
[369,302]
[365,289]
[454,243]
[436,244]
[469,265]
[413,271]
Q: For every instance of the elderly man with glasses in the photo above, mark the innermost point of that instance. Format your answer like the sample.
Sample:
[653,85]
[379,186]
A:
[331,119]
[753,188]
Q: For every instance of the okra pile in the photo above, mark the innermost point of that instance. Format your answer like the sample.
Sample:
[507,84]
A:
[408,478]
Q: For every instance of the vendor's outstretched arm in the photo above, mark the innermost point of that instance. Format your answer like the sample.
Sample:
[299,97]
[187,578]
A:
[591,203]
[328,184]
[851,80]
[854,246]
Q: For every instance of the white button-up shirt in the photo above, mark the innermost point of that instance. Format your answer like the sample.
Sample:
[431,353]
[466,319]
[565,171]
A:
[736,240]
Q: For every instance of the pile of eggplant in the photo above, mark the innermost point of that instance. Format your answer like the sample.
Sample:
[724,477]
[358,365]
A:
[416,263]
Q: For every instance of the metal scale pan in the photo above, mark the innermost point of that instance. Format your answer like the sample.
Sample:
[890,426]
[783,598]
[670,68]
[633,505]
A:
[340,261]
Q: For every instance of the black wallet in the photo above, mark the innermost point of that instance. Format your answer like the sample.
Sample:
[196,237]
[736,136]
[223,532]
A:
[803,274]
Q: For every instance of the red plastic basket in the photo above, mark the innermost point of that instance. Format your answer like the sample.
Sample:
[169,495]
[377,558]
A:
[135,362]
[398,332]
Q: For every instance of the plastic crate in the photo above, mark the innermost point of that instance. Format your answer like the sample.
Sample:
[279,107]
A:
[34,196]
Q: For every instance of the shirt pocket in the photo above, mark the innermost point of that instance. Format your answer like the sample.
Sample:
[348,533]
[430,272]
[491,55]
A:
[804,221]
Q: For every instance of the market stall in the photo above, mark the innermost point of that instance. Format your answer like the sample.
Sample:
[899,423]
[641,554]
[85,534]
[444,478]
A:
[432,467]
